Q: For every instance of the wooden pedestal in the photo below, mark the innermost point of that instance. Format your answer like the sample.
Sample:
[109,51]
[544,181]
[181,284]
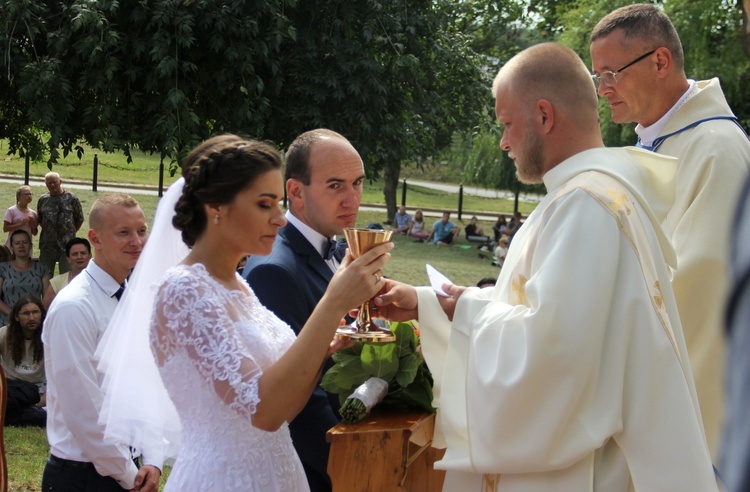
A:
[387,451]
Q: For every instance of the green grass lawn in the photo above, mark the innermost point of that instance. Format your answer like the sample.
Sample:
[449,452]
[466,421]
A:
[112,167]
[144,170]
[27,448]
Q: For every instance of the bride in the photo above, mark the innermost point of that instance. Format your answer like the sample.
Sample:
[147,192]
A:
[234,372]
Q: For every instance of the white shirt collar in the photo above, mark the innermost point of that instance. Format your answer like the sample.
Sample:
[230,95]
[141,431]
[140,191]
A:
[104,280]
[647,135]
[318,240]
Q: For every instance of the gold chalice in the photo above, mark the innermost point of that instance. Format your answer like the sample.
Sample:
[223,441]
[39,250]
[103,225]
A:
[364,329]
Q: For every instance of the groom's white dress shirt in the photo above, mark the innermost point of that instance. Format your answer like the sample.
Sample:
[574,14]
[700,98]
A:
[318,240]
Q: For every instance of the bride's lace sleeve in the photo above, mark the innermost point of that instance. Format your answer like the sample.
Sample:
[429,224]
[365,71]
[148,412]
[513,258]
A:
[189,315]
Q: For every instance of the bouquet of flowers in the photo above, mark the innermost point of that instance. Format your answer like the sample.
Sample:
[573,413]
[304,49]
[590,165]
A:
[394,372]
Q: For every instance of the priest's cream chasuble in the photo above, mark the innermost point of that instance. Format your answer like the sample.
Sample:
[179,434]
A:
[572,373]
[713,162]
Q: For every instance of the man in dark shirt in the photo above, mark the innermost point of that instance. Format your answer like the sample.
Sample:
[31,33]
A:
[60,216]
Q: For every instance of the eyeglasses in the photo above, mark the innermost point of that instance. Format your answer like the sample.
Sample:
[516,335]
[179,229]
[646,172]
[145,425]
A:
[33,312]
[610,78]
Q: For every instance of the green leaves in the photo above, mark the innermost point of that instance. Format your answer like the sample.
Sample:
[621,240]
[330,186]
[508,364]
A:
[379,360]
[154,75]
[407,369]
[339,379]
[398,363]
[406,338]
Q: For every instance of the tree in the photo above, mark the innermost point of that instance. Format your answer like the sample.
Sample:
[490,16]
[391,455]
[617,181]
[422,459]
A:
[163,75]
[710,31]
[386,74]
[711,34]
[499,31]
[159,75]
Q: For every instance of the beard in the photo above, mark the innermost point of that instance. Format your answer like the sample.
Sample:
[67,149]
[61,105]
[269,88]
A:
[530,159]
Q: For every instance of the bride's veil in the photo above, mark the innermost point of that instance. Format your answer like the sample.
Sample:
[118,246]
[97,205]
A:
[136,410]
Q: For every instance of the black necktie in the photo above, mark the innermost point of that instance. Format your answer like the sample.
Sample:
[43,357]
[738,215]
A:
[119,292]
[335,249]
[329,250]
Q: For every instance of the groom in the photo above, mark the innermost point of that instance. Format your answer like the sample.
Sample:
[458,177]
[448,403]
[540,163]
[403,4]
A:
[324,175]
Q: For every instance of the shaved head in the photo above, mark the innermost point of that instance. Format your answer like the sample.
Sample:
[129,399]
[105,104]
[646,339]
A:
[102,205]
[553,72]
[546,102]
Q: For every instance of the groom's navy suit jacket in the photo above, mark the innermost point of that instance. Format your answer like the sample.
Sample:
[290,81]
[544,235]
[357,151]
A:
[290,282]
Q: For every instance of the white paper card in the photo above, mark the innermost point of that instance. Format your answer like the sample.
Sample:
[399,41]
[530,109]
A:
[437,280]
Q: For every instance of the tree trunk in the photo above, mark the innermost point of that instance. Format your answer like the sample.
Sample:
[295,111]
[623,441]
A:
[390,178]
[745,8]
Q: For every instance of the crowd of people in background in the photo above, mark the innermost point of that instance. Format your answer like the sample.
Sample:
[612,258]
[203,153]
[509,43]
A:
[444,232]
[27,288]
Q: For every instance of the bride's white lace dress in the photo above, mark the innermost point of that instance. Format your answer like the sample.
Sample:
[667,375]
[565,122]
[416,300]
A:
[212,345]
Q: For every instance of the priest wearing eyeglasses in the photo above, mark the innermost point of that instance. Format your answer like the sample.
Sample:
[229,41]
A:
[638,63]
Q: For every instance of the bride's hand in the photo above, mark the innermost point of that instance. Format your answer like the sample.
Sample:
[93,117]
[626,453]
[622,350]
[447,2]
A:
[357,280]
[337,344]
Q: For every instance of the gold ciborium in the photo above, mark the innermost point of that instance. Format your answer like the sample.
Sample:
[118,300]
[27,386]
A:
[364,329]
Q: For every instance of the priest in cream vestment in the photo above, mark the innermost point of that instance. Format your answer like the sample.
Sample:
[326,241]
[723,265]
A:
[690,120]
[572,373]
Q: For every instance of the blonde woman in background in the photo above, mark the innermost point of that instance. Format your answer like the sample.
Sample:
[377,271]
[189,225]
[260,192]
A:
[20,215]
[417,227]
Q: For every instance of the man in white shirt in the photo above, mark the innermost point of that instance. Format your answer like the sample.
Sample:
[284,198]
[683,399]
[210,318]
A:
[639,65]
[324,175]
[80,457]
[571,373]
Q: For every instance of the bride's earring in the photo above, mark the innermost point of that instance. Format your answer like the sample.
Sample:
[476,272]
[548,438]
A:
[216,219]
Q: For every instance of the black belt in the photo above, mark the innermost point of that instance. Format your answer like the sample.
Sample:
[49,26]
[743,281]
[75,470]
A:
[83,464]
[71,463]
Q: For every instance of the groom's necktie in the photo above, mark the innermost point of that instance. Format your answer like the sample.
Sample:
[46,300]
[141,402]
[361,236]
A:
[335,249]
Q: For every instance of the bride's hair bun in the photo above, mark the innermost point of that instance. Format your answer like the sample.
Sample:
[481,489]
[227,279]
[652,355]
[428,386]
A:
[215,172]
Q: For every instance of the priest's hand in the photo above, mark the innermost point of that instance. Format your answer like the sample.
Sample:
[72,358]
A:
[396,301]
[449,303]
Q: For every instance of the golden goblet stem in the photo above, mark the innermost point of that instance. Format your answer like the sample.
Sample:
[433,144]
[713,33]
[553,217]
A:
[363,318]
[361,241]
